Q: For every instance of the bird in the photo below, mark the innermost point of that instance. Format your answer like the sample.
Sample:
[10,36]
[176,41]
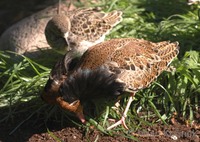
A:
[113,68]
[79,29]
[28,35]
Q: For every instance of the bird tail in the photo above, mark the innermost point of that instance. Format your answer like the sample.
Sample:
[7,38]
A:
[167,52]
[113,18]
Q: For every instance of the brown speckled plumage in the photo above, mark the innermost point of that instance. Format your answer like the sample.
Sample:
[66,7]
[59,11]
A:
[137,62]
[80,28]
[91,25]
[115,66]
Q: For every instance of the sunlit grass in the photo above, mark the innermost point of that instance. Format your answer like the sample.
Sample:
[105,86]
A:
[22,79]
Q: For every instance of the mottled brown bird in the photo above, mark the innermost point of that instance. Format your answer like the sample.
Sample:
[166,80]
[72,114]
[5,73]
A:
[113,67]
[79,29]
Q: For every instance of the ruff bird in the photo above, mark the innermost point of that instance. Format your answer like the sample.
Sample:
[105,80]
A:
[79,29]
[112,68]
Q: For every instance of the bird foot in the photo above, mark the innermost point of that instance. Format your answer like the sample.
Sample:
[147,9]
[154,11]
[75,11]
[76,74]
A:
[120,122]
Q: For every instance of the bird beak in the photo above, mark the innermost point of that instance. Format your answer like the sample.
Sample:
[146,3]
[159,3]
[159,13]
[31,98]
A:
[75,107]
[66,35]
[79,113]
[79,110]
[66,39]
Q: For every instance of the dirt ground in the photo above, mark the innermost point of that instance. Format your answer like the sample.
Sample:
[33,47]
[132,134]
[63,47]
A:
[35,128]
[27,126]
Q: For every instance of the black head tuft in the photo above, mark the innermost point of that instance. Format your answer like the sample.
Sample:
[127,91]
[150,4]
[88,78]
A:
[87,85]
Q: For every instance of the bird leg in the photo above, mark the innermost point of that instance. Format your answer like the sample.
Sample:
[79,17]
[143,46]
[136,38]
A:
[122,120]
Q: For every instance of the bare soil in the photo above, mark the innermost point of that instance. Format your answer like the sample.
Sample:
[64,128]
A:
[34,127]
[25,124]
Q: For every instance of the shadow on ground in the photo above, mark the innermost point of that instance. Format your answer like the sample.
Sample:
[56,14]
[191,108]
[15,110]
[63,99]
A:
[23,120]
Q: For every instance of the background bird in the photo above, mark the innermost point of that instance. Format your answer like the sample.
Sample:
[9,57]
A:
[113,67]
[80,29]
[27,35]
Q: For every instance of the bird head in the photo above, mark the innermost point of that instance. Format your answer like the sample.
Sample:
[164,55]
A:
[57,30]
[74,107]
[60,24]
[84,86]
[51,96]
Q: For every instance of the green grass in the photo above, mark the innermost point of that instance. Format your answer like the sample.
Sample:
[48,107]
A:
[22,79]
